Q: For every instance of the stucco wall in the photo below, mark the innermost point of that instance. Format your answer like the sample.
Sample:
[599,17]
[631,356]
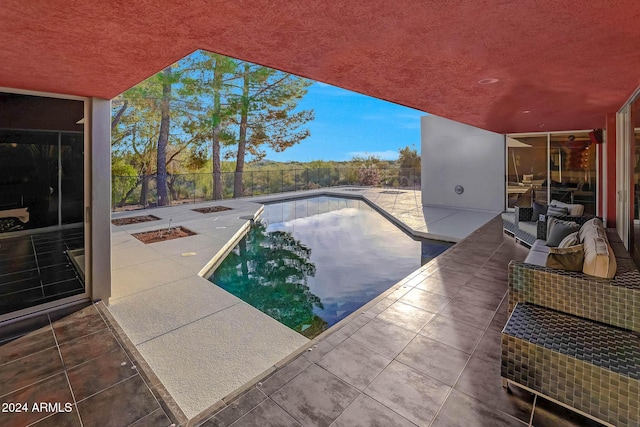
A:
[457,154]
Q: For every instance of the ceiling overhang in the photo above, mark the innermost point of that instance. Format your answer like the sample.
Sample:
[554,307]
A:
[505,66]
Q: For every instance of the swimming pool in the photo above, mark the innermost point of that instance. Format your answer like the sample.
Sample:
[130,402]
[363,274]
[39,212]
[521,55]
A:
[309,263]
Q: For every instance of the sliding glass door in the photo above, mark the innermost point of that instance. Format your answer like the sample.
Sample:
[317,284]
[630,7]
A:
[42,201]
[551,166]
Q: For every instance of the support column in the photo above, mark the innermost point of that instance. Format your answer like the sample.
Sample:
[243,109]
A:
[609,187]
[100,211]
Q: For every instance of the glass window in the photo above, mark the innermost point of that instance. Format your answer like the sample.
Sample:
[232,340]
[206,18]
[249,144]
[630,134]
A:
[572,169]
[72,177]
[526,170]
[28,178]
[41,200]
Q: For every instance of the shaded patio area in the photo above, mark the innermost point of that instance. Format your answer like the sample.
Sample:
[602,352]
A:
[426,353]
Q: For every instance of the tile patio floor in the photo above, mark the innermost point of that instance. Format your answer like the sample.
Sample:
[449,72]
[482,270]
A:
[201,341]
[427,354]
[424,353]
[72,357]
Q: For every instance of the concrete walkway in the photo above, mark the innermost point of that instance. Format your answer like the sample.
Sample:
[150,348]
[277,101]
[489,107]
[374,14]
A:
[202,343]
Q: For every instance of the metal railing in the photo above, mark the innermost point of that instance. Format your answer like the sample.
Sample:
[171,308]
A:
[139,192]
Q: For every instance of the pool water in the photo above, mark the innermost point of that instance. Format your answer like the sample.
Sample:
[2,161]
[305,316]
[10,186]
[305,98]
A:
[309,263]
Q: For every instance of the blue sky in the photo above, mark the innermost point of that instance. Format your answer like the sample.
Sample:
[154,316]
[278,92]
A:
[349,124]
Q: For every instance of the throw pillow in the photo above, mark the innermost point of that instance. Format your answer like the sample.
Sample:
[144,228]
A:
[599,259]
[574,209]
[558,229]
[570,240]
[570,258]
[591,227]
[557,211]
[538,209]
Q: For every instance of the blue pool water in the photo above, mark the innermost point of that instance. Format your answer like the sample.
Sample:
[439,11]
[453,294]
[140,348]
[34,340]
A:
[311,262]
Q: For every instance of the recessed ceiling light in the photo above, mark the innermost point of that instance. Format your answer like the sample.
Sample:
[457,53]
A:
[525,111]
[488,81]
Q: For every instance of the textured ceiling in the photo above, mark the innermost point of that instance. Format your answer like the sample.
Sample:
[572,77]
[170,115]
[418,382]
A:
[567,63]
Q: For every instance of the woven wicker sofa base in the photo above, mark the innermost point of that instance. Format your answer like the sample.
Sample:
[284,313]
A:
[585,365]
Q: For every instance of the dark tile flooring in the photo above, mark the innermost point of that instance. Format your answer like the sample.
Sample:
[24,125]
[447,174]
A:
[427,354]
[35,269]
[71,358]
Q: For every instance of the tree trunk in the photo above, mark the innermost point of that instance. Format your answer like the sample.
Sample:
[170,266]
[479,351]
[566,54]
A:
[119,114]
[131,190]
[215,136]
[242,137]
[171,181]
[243,258]
[144,190]
[217,175]
[163,139]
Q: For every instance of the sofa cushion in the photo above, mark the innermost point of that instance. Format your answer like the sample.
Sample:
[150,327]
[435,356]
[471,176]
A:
[557,211]
[570,258]
[593,227]
[540,246]
[528,227]
[571,240]
[599,260]
[574,209]
[538,209]
[510,217]
[558,229]
[537,258]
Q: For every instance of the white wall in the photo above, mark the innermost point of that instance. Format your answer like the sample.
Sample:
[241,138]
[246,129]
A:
[100,226]
[457,154]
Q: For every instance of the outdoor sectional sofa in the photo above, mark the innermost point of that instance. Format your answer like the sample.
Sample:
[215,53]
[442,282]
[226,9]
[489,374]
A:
[575,338]
[527,229]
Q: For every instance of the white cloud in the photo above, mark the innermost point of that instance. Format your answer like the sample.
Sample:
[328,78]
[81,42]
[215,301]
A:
[384,155]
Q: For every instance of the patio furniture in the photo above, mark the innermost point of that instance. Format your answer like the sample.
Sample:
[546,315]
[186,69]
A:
[528,229]
[509,223]
[575,338]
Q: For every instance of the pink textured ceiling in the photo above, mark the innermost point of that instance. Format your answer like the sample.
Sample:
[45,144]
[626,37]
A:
[566,62]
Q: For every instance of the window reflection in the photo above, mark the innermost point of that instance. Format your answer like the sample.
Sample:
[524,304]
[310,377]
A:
[547,167]
[572,167]
[28,177]
[41,200]
[526,169]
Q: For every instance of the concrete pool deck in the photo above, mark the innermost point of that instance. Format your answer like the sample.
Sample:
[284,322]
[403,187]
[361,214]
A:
[204,344]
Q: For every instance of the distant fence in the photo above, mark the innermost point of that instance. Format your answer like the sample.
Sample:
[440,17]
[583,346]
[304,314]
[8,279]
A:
[138,192]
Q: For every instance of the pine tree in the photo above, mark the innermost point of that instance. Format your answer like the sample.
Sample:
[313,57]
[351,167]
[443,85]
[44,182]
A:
[266,115]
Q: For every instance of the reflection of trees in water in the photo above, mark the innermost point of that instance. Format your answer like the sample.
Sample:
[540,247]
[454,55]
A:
[269,270]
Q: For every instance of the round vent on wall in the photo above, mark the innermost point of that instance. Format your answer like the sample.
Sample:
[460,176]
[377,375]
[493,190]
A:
[459,189]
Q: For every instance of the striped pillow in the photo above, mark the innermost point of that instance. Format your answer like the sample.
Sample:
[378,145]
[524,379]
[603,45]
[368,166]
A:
[557,211]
